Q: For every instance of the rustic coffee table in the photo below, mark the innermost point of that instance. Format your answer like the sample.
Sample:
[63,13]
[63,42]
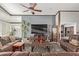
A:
[18,46]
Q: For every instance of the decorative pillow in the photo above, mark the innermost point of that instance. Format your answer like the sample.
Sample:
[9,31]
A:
[7,39]
[12,38]
[3,42]
[0,44]
[74,42]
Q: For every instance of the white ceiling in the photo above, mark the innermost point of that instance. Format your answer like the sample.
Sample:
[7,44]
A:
[47,8]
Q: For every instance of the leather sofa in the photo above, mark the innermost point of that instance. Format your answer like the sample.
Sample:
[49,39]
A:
[68,47]
[6,53]
[18,53]
[61,54]
[7,43]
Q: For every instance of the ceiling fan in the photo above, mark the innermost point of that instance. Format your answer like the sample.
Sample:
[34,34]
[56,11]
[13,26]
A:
[31,8]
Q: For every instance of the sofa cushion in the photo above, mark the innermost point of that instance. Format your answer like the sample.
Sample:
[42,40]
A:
[61,54]
[6,53]
[68,47]
[35,54]
[74,42]
[18,53]
[12,38]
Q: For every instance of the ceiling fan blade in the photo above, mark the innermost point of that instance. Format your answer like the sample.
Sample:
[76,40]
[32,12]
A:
[38,10]
[34,5]
[24,6]
[26,11]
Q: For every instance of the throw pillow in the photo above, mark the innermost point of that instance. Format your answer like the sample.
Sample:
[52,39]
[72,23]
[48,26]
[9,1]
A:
[7,39]
[3,42]
[74,42]
[0,45]
[12,38]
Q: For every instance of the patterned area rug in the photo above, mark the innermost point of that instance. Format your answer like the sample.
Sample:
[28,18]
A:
[56,48]
[53,48]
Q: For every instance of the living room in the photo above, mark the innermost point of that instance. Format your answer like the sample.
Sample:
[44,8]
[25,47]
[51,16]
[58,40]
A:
[39,29]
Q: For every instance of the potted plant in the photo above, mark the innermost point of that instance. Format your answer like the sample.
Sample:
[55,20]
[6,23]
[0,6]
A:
[25,28]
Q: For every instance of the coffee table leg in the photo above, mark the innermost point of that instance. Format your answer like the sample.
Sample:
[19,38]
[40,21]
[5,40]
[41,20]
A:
[32,48]
[13,49]
[23,46]
[20,48]
[48,48]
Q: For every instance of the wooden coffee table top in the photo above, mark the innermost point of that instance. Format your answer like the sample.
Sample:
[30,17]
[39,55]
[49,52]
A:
[18,44]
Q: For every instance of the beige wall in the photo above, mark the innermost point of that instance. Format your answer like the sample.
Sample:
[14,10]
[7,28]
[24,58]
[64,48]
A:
[4,28]
[70,18]
[5,25]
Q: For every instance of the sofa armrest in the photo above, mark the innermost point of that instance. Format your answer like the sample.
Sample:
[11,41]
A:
[6,53]
[6,48]
[18,53]
[77,50]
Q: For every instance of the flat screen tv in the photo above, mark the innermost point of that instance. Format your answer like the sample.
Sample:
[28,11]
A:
[38,28]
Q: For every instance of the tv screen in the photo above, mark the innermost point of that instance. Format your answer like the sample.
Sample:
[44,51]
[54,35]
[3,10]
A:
[38,28]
